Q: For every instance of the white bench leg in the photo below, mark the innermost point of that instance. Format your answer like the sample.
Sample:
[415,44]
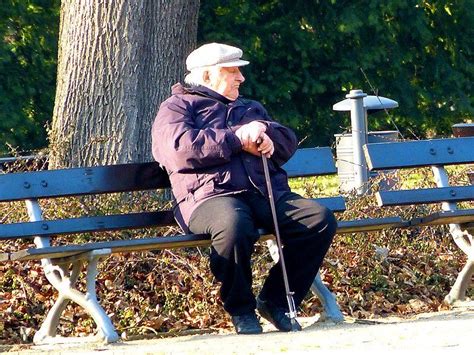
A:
[332,311]
[462,238]
[458,291]
[50,324]
[65,284]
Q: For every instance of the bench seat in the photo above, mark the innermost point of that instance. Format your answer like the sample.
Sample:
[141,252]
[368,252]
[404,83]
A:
[177,241]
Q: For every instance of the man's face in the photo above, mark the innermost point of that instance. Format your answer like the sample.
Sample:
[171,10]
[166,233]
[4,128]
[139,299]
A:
[226,81]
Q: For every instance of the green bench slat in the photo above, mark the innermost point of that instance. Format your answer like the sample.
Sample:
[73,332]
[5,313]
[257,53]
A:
[367,225]
[409,154]
[311,162]
[117,246]
[445,217]
[420,196]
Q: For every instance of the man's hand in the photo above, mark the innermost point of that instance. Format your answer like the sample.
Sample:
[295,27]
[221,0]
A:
[254,140]
[265,146]
[249,134]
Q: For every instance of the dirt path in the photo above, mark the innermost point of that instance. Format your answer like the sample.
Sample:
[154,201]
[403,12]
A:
[441,332]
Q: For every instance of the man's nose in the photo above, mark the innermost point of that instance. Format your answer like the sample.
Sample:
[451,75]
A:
[240,77]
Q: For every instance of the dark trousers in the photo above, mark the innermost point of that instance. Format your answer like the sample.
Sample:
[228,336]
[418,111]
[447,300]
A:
[306,229]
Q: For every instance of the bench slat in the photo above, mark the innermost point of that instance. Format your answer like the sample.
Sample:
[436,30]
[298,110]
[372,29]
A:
[311,162]
[180,241]
[409,154]
[82,181]
[445,217]
[112,222]
[86,224]
[367,225]
[132,177]
[117,246]
[335,204]
[420,196]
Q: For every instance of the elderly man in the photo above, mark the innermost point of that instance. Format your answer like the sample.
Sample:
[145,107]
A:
[210,140]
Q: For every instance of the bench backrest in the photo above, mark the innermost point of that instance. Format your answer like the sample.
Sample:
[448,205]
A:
[411,154]
[123,178]
[131,177]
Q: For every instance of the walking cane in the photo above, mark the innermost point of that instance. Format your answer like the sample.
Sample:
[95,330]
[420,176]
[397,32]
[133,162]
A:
[289,294]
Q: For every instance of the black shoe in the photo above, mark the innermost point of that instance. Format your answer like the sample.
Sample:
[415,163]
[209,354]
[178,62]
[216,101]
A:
[247,324]
[277,316]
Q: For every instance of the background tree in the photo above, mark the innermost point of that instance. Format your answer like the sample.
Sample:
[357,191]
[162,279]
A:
[28,51]
[306,55]
[116,63]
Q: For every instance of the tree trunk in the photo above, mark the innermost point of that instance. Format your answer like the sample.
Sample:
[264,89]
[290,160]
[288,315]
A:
[117,61]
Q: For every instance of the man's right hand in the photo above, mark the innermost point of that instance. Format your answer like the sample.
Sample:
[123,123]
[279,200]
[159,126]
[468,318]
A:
[254,140]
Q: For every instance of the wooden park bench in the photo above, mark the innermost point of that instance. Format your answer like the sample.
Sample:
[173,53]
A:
[437,154]
[62,264]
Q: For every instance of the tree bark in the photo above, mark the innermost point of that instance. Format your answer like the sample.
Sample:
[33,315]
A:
[117,61]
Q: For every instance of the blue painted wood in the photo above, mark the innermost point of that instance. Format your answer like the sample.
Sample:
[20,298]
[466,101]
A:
[111,222]
[409,154]
[181,241]
[82,181]
[130,177]
[336,203]
[370,224]
[421,196]
[119,178]
[445,217]
[311,162]
[86,224]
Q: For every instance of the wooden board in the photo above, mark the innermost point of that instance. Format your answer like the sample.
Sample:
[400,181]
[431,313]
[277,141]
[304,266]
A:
[409,154]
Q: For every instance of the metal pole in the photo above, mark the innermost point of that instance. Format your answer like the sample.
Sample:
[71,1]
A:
[289,295]
[359,138]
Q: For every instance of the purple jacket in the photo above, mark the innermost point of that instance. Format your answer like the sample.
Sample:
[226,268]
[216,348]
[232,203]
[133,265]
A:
[193,138]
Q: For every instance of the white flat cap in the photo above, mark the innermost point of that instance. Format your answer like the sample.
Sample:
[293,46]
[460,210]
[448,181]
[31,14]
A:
[218,54]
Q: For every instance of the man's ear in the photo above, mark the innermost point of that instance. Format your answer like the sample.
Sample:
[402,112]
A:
[206,76]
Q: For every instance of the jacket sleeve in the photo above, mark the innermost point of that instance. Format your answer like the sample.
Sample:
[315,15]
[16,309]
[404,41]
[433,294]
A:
[181,146]
[284,139]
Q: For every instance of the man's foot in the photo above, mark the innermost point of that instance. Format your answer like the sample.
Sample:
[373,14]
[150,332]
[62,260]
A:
[277,316]
[247,324]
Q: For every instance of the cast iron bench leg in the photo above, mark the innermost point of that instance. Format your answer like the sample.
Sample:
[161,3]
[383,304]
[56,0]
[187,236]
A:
[332,311]
[458,291]
[64,281]
[463,240]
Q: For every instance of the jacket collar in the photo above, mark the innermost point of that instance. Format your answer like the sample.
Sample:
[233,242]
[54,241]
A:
[178,88]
